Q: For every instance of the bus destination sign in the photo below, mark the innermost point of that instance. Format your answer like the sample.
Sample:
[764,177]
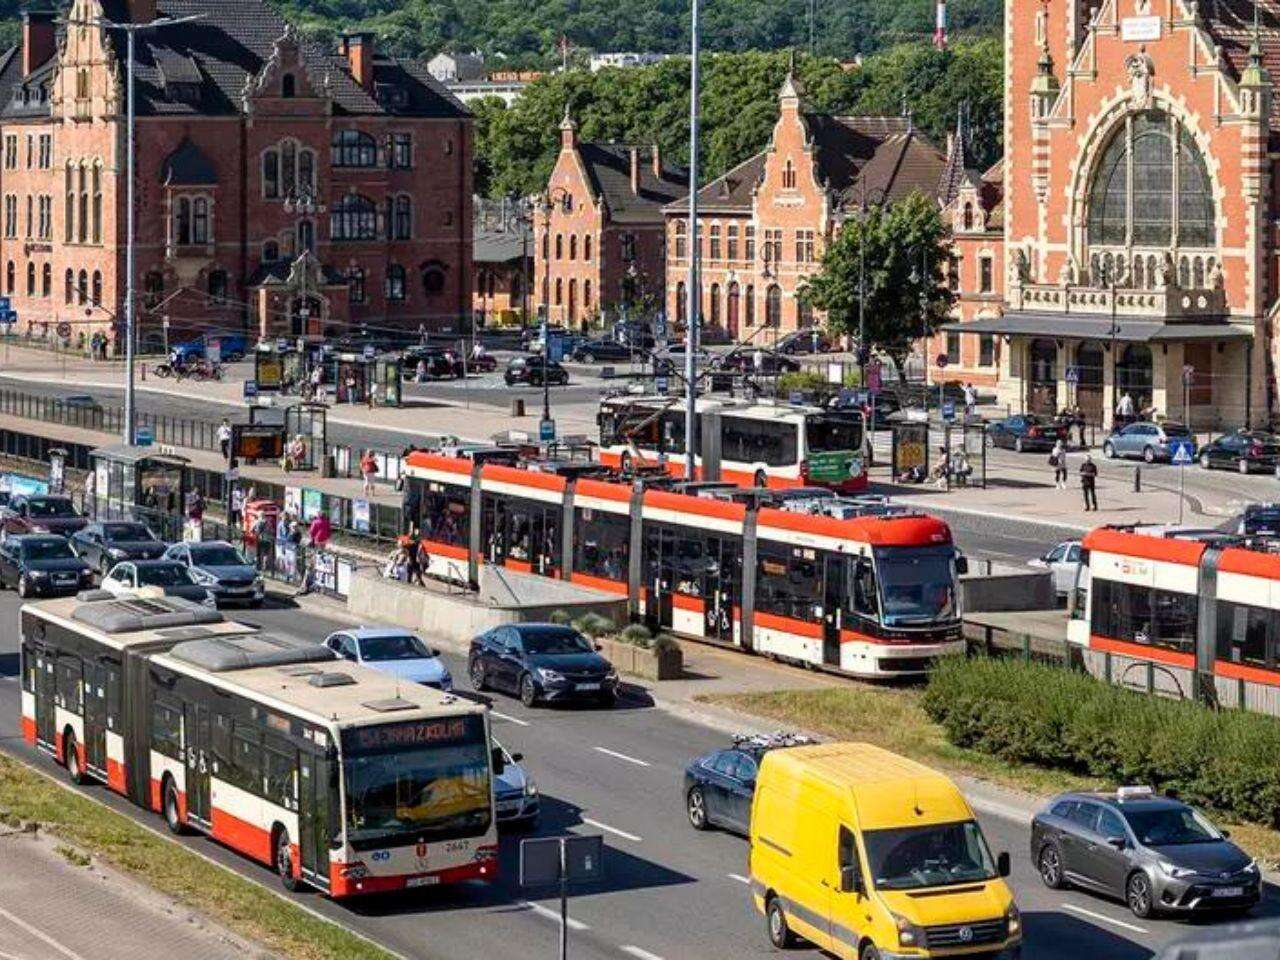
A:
[389,736]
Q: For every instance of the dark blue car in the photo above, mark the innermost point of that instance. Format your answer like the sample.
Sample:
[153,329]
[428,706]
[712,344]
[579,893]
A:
[719,786]
[42,565]
[541,662]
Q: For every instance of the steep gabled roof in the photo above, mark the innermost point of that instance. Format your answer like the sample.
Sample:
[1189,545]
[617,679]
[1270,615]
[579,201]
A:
[187,166]
[608,167]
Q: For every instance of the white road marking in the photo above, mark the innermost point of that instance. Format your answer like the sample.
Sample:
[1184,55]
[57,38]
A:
[1104,918]
[40,935]
[622,756]
[608,829]
[503,716]
[639,952]
[739,877]
[554,916]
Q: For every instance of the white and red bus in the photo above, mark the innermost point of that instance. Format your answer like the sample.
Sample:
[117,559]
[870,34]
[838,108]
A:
[1181,612]
[750,444]
[334,775]
[870,596]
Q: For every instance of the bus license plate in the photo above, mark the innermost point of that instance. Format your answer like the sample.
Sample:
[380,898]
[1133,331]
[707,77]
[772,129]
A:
[422,881]
[1229,892]
[588,686]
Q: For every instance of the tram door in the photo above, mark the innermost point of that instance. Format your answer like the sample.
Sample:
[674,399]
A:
[660,574]
[523,535]
[834,600]
[721,585]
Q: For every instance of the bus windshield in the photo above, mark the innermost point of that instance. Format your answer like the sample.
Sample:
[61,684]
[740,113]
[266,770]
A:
[917,584]
[425,778]
[828,433]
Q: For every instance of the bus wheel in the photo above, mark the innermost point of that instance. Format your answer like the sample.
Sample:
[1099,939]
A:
[762,479]
[72,756]
[172,814]
[284,861]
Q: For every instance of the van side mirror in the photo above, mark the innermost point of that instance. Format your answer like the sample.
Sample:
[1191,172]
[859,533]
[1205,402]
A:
[850,880]
[962,564]
[499,761]
[1003,866]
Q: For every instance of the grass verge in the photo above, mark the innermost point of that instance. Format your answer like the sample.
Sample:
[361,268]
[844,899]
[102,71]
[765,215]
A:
[894,718]
[236,903]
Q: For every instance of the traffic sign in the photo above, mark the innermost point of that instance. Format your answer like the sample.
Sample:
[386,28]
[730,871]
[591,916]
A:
[143,437]
[942,360]
[546,430]
[948,410]
[250,389]
[661,384]
[64,329]
[1073,374]
[370,351]
[4,303]
[9,316]
[1181,451]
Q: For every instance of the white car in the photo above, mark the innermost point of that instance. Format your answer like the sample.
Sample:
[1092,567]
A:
[515,795]
[1063,562]
[168,578]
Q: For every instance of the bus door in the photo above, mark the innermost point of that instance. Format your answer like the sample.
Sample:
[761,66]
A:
[313,816]
[46,693]
[659,574]
[721,586]
[95,718]
[834,600]
[199,749]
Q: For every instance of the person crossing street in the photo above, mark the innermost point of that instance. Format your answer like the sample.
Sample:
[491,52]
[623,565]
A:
[1089,482]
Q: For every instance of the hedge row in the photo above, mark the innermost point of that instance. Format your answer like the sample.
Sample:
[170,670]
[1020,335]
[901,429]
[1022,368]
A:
[1045,715]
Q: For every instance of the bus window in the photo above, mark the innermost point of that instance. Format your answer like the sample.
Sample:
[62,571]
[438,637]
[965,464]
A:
[279,775]
[246,760]
[166,731]
[758,441]
[70,672]
[831,433]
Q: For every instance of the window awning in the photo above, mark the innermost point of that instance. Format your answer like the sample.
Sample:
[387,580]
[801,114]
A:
[1027,323]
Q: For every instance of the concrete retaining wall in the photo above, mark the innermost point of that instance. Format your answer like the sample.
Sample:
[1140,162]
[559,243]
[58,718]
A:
[997,587]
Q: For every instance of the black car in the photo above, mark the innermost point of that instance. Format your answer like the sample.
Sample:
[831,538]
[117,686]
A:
[770,363]
[1024,431]
[541,662]
[439,363]
[1260,520]
[1244,450]
[1156,853]
[47,513]
[42,564]
[104,544]
[805,341]
[534,370]
[719,785]
[589,351]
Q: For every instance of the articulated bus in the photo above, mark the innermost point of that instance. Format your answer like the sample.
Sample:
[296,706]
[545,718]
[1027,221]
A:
[870,596]
[336,776]
[760,444]
[1183,613]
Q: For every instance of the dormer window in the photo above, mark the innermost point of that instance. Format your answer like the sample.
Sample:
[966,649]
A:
[287,86]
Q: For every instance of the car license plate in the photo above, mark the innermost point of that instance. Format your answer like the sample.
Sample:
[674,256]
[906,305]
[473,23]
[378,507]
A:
[1229,892]
[588,686]
[422,881]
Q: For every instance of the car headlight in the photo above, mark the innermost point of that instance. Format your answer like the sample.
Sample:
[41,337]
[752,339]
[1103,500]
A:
[909,935]
[612,675]
[1174,871]
[1013,920]
[115,553]
[549,675]
[1253,868]
[38,575]
[203,578]
[530,788]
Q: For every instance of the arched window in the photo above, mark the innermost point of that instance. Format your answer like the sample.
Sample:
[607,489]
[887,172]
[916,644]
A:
[682,303]
[82,287]
[356,285]
[182,221]
[270,251]
[586,294]
[586,247]
[433,278]
[46,281]
[71,205]
[83,224]
[31,279]
[217,285]
[546,240]
[1151,188]
[287,85]
[354,218]
[733,309]
[97,204]
[271,174]
[714,306]
[404,217]
[573,246]
[97,288]
[559,246]
[559,291]
[804,315]
[682,239]
[395,282]
[968,215]
[773,306]
[573,299]
[789,176]
[714,241]
[200,220]
[10,272]
[306,170]
[353,148]
[749,306]
[306,235]
[70,291]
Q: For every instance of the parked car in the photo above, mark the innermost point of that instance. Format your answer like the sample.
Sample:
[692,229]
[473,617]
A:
[1244,450]
[718,786]
[533,370]
[1063,562]
[168,576]
[231,347]
[515,795]
[1150,441]
[1260,520]
[589,351]
[81,401]
[744,361]
[1157,853]
[222,568]
[531,336]
[541,662]
[47,513]
[671,359]
[1025,431]
[104,544]
[42,565]
[805,341]
[440,363]
[485,363]
[397,652]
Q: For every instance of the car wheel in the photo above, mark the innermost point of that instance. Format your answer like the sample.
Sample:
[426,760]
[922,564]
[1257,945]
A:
[1204,461]
[1137,894]
[696,807]
[72,758]
[284,862]
[780,934]
[528,692]
[588,358]
[1149,454]
[1049,863]
[24,587]
[478,680]
[172,813]
[1244,465]
[1109,450]
[1017,444]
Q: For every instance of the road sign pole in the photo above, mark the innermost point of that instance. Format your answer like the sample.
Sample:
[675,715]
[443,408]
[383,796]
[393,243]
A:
[564,901]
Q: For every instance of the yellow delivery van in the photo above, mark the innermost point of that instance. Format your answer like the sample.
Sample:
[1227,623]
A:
[875,857]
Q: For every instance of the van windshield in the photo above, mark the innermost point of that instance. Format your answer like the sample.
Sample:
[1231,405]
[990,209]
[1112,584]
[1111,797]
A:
[933,856]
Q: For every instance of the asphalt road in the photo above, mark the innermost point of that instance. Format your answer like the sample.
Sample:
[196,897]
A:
[670,893]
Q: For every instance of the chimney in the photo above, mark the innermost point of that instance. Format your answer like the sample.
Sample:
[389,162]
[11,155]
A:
[38,43]
[635,170]
[141,11]
[657,162]
[358,48]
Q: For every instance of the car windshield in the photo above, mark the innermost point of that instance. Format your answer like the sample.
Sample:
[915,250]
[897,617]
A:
[404,646]
[218,555]
[935,856]
[125,532]
[554,640]
[1170,826]
[47,550]
[50,507]
[917,584]
[429,778]
[164,575]
[834,433]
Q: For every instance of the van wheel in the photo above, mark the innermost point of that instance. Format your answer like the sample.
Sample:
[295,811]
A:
[869,951]
[780,934]
[172,817]
[284,862]
[696,806]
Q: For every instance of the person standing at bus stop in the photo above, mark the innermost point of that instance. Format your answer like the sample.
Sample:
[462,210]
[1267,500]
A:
[224,438]
[1089,482]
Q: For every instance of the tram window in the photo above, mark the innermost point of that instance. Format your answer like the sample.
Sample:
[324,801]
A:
[864,588]
[445,514]
[69,690]
[600,544]
[1174,616]
[1138,614]
[1247,634]
[166,731]
[790,582]
[758,441]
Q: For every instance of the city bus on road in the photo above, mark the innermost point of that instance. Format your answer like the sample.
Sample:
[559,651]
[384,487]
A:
[336,776]
[865,595]
[750,444]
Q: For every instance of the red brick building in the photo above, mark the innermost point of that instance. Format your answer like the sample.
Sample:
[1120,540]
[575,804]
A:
[599,240]
[765,225]
[1139,209]
[281,185]
[503,258]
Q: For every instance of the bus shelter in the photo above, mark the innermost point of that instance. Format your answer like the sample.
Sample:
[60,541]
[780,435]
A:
[948,452]
[365,378]
[138,483]
[308,421]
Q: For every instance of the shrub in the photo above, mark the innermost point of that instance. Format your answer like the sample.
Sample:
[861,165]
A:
[636,634]
[1041,714]
[593,625]
[802,380]
[662,643]
[561,617]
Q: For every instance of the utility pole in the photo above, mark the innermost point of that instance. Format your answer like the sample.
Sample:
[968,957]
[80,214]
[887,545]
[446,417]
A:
[695,284]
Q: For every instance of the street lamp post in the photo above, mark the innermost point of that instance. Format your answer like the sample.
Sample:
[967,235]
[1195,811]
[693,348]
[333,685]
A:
[695,285]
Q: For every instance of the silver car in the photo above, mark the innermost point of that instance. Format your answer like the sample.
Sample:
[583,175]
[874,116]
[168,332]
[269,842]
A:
[515,795]
[1063,562]
[1150,441]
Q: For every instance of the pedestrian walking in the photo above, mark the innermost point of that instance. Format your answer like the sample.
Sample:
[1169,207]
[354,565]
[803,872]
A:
[970,399]
[1058,460]
[413,569]
[320,531]
[1125,410]
[1089,482]
[224,438]
[368,470]
[195,506]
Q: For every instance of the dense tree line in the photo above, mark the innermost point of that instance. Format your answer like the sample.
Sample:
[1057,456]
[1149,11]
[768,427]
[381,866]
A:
[516,146]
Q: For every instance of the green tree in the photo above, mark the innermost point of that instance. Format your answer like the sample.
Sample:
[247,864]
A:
[904,249]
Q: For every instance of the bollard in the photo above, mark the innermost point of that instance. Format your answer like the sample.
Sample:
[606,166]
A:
[142,368]
[517,407]
[1137,479]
